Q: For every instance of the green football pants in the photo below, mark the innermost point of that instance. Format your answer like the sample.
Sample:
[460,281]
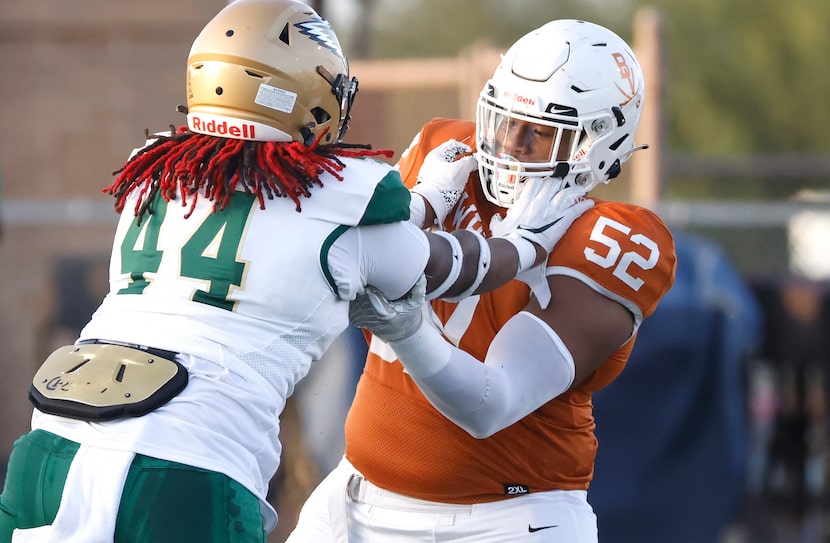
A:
[162,502]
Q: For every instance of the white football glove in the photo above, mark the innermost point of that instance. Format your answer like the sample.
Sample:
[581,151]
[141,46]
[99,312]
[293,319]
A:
[387,320]
[541,214]
[443,176]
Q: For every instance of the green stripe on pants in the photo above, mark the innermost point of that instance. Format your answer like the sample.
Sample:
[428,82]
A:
[162,501]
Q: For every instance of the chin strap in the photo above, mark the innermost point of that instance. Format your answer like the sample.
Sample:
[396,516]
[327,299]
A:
[625,156]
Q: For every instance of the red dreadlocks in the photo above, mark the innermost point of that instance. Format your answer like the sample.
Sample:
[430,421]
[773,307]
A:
[190,163]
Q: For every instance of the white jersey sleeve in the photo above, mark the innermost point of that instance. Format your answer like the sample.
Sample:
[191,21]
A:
[391,258]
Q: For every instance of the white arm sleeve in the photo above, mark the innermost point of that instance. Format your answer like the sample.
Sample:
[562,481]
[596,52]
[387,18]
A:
[526,366]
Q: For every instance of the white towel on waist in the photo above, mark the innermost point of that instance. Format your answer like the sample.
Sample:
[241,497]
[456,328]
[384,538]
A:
[90,500]
[341,478]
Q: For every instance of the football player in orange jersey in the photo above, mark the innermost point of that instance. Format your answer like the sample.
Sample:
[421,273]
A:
[473,420]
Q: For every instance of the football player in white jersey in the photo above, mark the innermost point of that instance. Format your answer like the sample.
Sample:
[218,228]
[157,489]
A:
[242,238]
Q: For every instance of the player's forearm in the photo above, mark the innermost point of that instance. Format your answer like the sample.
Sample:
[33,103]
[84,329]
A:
[481,265]
[527,365]
[507,259]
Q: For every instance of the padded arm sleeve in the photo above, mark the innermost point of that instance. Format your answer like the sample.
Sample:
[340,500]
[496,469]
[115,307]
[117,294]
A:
[391,257]
[526,366]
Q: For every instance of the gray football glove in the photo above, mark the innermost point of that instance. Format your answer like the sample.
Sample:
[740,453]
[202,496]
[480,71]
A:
[389,320]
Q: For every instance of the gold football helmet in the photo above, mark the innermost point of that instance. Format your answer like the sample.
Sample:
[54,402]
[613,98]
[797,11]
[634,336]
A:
[269,70]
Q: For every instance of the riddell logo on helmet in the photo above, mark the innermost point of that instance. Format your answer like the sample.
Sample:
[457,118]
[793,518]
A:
[221,128]
[516,97]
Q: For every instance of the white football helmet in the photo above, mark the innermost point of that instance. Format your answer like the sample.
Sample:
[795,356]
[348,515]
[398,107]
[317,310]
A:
[564,103]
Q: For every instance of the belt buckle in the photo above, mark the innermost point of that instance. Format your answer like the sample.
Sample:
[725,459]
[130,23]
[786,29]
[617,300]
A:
[353,487]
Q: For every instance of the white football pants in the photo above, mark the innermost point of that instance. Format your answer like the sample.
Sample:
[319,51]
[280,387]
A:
[346,508]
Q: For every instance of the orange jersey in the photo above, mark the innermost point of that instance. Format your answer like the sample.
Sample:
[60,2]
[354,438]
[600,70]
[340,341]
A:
[400,442]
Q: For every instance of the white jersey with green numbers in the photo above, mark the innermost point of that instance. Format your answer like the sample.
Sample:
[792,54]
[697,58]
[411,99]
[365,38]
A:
[249,297]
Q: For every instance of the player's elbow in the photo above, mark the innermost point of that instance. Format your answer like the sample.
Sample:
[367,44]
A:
[481,433]
[495,412]
[481,427]
[486,433]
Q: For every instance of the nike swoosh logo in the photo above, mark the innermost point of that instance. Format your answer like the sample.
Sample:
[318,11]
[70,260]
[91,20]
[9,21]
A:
[531,529]
[541,228]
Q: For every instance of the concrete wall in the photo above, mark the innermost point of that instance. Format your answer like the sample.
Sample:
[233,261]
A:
[79,81]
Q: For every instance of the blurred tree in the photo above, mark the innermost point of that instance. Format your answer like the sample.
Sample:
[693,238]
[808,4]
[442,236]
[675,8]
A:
[363,35]
[437,28]
[747,76]
[743,77]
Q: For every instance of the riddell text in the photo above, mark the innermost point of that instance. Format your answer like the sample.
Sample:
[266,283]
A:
[222,128]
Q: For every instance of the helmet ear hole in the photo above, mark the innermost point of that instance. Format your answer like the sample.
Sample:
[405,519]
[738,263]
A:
[618,115]
[320,115]
[614,170]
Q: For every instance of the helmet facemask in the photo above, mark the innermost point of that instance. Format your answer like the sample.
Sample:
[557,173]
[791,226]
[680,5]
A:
[515,146]
[344,90]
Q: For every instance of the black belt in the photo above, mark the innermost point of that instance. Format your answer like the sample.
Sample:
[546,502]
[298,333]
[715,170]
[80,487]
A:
[169,355]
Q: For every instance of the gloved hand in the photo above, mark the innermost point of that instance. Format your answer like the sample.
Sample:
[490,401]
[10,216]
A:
[541,215]
[387,320]
[443,176]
